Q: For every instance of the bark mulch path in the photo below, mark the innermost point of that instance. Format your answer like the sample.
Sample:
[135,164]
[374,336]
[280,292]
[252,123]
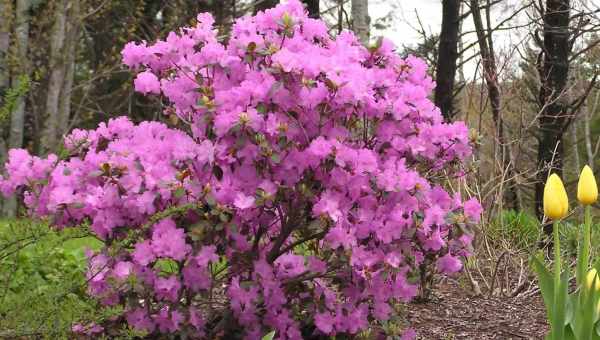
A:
[454,314]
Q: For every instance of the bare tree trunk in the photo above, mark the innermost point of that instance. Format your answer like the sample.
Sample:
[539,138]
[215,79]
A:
[461,54]
[570,94]
[340,18]
[448,54]
[22,42]
[4,46]
[554,115]
[5,10]
[588,114]
[72,34]
[17,118]
[57,77]
[312,6]
[510,195]
[575,150]
[361,20]
[225,14]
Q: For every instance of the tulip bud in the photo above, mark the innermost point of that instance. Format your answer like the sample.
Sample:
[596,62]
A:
[589,280]
[592,278]
[587,190]
[556,202]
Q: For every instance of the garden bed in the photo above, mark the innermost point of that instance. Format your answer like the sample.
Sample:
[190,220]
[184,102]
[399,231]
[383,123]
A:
[454,314]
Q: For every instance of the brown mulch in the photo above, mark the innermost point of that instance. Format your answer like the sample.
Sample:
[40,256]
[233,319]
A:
[454,314]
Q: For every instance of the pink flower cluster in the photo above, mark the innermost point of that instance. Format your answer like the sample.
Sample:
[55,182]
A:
[303,192]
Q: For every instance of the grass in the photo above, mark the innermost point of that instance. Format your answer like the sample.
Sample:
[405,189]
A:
[519,229]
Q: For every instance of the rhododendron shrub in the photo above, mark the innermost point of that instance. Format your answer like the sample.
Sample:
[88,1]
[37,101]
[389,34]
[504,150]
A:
[301,192]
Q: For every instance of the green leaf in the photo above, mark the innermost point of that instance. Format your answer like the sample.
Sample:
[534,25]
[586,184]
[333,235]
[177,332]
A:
[166,266]
[12,95]
[211,200]
[583,323]
[269,336]
[546,283]
[179,192]
[261,108]
[560,308]
[597,333]
[568,334]
[275,158]
[224,217]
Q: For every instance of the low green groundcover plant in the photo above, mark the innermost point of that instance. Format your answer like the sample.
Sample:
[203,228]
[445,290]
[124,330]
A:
[42,280]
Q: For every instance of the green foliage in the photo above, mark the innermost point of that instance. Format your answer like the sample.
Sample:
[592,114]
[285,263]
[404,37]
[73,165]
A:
[269,336]
[520,229]
[572,315]
[575,314]
[570,238]
[42,280]
[12,95]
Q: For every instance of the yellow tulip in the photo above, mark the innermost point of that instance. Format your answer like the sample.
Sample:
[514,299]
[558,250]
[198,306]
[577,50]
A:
[589,279]
[556,202]
[587,190]
[592,278]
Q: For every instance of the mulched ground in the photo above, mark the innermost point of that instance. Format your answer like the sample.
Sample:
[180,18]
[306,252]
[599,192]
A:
[454,314]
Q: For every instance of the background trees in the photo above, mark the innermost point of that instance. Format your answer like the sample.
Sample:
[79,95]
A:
[447,51]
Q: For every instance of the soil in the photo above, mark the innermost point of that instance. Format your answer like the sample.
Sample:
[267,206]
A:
[453,313]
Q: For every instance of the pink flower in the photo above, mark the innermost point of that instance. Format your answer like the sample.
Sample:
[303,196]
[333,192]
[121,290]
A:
[473,209]
[196,277]
[434,216]
[382,311]
[167,288]
[325,322]
[169,241]
[143,253]
[339,237]
[196,320]
[122,269]
[147,82]
[449,264]
[290,265]
[168,321]
[409,334]
[435,241]
[328,204]
[134,54]
[139,319]
[316,265]
[320,148]
[207,255]
[243,202]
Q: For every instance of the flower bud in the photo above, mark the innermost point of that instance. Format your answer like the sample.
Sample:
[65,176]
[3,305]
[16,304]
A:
[592,278]
[589,280]
[587,190]
[556,202]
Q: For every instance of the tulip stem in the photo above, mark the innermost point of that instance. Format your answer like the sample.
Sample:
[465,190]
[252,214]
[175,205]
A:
[557,322]
[583,257]
[557,269]
[588,236]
